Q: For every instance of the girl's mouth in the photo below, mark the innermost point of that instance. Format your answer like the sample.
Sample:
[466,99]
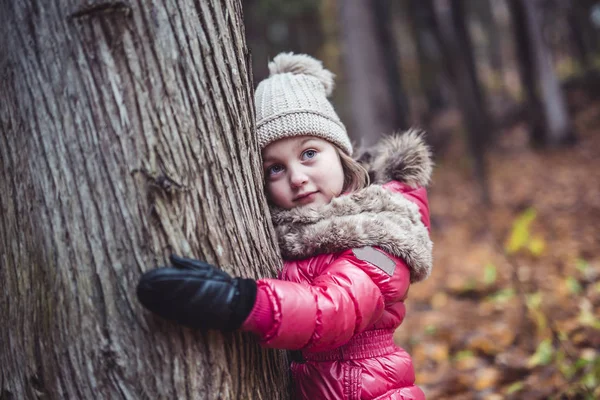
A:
[305,198]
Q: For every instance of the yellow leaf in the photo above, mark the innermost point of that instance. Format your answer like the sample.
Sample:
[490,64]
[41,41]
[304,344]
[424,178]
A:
[534,300]
[534,305]
[515,387]
[519,235]
[537,245]
[502,296]
[463,354]
[543,355]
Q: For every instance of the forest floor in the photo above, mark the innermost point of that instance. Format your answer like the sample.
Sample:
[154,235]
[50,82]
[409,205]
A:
[512,308]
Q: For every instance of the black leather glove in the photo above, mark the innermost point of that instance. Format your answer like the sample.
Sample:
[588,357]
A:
[197,294]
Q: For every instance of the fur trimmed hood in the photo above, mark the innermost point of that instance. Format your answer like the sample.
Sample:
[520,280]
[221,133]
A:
[403,157]
[373,216]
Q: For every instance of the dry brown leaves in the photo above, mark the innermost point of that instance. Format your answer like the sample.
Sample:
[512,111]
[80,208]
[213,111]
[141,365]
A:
[491,324]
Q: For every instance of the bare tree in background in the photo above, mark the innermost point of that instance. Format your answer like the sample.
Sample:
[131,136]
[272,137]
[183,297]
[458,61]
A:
[126,134]
[557,127]
[382,10]
[582,31]
[370,61]
[431,57]
[483,10]
[527,72]
[459,51]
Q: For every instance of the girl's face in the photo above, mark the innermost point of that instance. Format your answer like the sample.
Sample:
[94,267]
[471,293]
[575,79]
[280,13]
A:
[302,170]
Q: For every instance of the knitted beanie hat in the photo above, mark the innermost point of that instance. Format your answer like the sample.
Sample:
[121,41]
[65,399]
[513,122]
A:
[292,101]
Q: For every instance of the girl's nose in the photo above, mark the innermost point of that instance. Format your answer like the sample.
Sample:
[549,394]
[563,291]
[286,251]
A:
[297,178]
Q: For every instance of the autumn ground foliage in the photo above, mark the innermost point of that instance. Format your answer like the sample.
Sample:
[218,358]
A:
[512,309]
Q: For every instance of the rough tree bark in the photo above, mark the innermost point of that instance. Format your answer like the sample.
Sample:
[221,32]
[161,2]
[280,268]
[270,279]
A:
[126,133]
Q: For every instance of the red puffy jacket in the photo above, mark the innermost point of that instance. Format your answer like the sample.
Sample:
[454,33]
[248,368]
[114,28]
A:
[341,293]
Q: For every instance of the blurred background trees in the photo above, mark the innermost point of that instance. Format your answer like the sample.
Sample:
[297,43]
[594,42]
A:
[472,66]
[508,93]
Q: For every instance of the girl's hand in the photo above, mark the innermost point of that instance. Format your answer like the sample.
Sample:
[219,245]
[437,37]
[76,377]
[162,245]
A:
[197,294]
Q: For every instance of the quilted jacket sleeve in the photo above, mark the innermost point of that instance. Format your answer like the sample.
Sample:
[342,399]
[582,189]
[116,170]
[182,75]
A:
[348,296]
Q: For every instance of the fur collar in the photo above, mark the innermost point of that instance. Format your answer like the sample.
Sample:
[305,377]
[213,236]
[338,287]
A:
[373,216]
[403,157]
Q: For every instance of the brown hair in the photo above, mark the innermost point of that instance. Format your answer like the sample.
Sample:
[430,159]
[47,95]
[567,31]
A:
[356,176]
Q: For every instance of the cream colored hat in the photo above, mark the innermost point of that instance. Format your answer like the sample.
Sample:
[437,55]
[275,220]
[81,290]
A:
[292,101]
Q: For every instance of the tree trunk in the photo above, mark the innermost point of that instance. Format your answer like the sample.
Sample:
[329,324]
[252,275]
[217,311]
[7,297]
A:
[455,37]
[484,12]
[558,126]
[382,10]
[527,74]
[429,54]
[126,134]
[370,91]
[581,29]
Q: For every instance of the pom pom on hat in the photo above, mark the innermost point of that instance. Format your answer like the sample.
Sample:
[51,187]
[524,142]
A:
[302,64]
[292,101]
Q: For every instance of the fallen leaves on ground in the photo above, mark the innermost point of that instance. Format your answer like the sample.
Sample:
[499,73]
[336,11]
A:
[512,308]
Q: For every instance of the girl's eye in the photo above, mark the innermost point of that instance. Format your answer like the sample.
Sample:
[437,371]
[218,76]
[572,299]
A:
[308,154]
[274,169]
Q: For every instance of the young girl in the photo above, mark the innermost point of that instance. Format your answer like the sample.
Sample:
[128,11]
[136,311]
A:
[351,250]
